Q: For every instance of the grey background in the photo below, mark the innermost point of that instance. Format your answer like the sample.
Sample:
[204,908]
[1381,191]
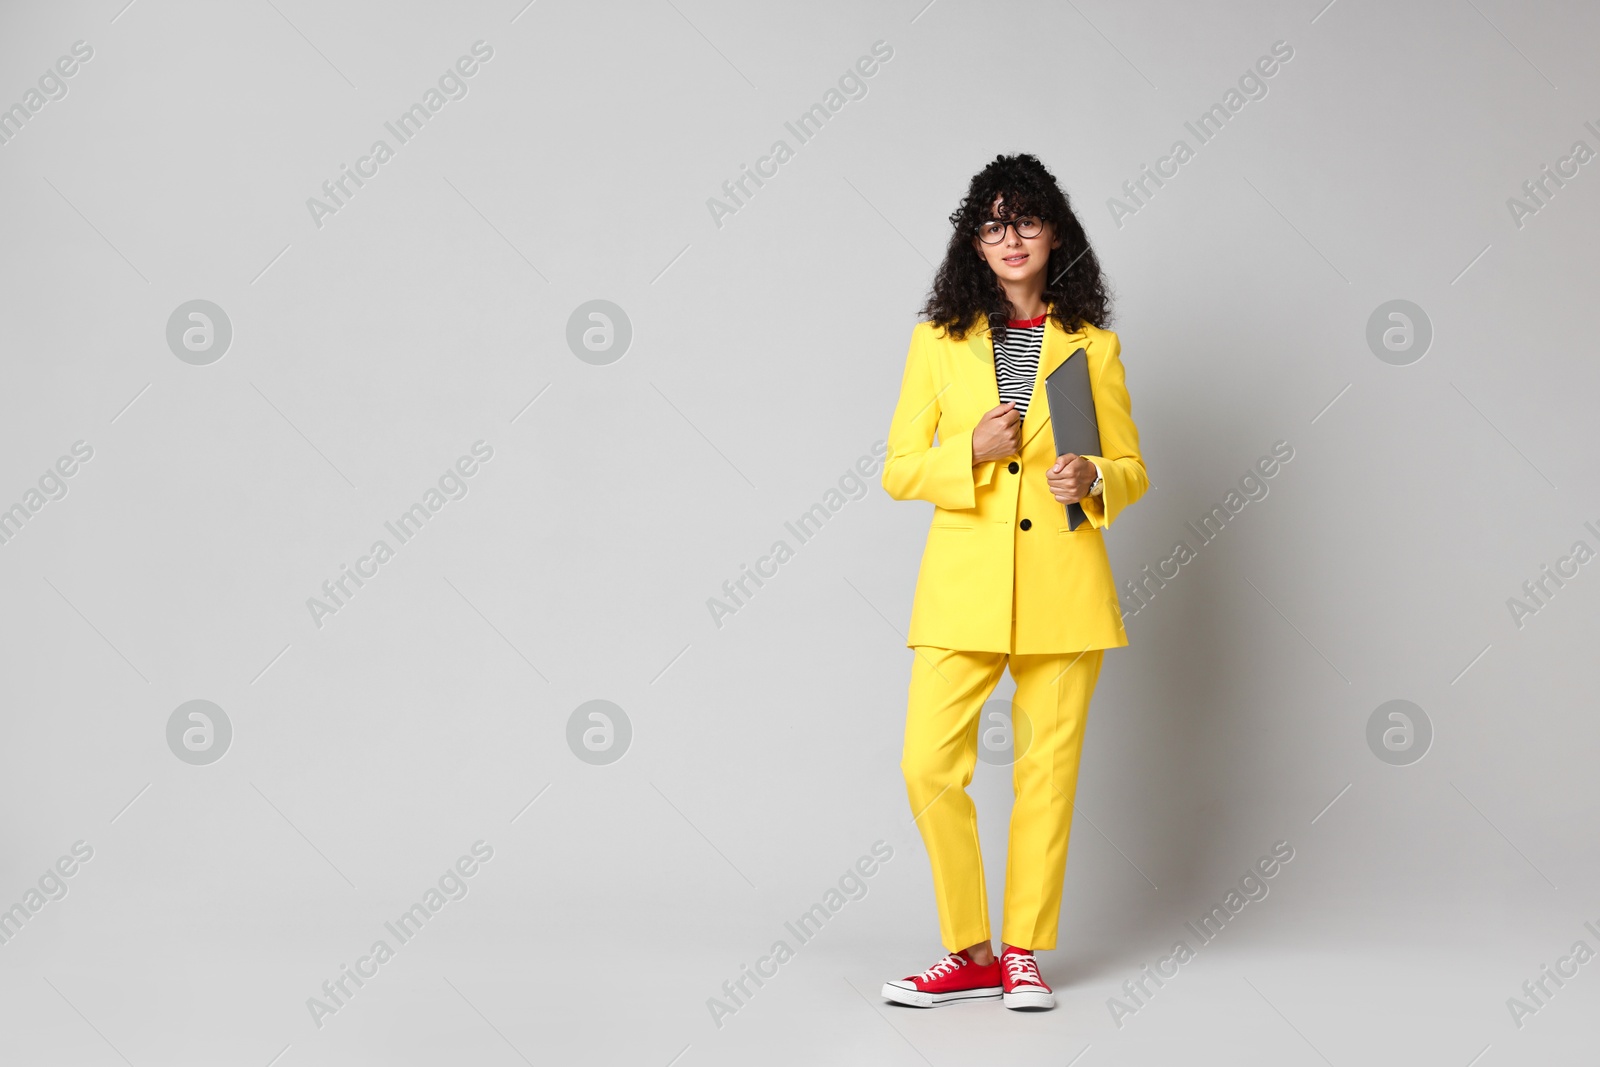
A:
[432,311]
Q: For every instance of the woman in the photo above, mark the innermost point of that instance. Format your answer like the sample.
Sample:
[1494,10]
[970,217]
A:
[1003,579]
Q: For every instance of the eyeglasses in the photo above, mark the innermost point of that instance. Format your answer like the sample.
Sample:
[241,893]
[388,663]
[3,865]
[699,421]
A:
[993,231]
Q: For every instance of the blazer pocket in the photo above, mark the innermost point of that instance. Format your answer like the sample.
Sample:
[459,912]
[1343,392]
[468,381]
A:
[967,527]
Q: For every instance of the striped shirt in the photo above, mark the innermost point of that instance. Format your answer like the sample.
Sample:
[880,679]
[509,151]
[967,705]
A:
[1016,359]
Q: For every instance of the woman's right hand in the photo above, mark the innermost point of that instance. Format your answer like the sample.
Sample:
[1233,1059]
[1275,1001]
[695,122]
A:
[997,435]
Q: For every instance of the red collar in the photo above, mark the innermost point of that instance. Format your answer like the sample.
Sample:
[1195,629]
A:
[1025,324]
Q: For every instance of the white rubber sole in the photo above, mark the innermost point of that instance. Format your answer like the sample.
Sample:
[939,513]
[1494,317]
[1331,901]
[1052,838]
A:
[1029,1000]
[915,998]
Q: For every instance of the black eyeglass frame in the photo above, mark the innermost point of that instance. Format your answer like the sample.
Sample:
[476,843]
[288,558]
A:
[1014,224]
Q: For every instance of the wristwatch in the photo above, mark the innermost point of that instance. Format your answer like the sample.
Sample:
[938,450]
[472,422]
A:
[1099,482]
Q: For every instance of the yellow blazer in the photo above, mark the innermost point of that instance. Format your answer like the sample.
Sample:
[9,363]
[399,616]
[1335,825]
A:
[979,565]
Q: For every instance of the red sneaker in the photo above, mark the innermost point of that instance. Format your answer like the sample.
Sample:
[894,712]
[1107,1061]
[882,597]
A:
[1023,988]
[953,978]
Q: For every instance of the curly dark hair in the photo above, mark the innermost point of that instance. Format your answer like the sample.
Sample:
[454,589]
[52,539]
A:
[965,287]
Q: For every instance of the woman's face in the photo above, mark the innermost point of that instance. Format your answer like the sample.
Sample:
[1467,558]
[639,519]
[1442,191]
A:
[1014,258]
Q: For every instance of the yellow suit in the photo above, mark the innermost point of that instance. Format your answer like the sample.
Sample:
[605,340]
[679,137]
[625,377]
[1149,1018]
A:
[994,590]
[977,552]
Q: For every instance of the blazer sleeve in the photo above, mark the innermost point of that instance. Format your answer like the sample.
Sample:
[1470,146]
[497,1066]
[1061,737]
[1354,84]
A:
[1122,467]
[915,468]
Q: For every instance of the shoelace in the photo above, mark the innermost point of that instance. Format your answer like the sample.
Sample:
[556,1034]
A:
[1022,968]
[942,968]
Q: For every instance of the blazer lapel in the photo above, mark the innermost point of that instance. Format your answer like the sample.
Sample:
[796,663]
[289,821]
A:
[982,383]
[980,380]
[1058,347]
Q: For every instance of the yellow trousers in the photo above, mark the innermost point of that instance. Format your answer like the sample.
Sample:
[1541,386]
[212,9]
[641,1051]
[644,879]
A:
[948,690]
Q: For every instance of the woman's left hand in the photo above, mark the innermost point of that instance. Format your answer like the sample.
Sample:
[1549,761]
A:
[1070,478]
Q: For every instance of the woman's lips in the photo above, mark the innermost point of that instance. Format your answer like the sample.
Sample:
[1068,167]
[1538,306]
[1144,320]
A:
[1015,260]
